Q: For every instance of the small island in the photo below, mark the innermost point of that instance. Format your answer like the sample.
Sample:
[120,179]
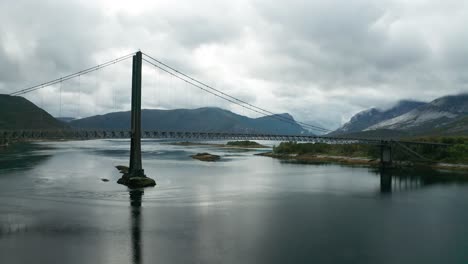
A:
[206,157]
[245,144]
[350,154]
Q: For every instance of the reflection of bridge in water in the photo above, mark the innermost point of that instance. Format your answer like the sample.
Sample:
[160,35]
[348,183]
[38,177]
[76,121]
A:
[390,183]
[395,180]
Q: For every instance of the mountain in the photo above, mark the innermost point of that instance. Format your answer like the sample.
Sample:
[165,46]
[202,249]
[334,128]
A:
[201,119]
[457,127]
[432,116]
[18,113]
[446,115]
[370,117]
[65,119]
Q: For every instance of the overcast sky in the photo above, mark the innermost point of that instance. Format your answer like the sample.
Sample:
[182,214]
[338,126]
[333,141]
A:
[321,61]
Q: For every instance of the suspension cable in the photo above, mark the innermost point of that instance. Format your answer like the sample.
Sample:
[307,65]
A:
[73,75]
[217,95]
[269,113]
[239,102]
[186,78]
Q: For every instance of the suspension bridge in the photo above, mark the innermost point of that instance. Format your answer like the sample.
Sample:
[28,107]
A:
[135,133]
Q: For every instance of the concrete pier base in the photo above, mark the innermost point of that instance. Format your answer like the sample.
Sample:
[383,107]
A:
[136,182]
[386,155]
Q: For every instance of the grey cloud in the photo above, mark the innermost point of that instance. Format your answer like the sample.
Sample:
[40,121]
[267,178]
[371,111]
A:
[322,61]
[52,38]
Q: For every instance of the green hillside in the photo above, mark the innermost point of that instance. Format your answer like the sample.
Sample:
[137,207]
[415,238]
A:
[18,113]
[201,119]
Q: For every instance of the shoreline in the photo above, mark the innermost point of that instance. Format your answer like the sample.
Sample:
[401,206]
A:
[305,158]
[14,142]
[323,159]
[360,161]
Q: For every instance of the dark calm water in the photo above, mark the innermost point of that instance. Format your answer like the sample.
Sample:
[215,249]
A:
[54,208]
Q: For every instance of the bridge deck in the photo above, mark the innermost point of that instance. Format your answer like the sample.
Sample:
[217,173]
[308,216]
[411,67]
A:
[189,135]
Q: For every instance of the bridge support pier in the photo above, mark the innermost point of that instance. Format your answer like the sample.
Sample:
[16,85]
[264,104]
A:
[136,168]
[385,154]
[135,177]
[386,161]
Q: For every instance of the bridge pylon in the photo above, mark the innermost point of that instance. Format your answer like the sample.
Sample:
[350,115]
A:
[135,177]
[136,168]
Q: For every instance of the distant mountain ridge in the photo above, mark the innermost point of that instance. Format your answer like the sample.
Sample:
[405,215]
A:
[437,113]
[18,113]
[373,116]
[447,115]
[202,119]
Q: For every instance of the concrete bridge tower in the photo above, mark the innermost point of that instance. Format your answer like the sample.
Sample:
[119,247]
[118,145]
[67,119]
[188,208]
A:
[135,177]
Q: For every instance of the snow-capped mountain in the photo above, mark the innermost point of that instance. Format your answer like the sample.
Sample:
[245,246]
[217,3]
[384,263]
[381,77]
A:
[370,117]
[436,114]
[444,115]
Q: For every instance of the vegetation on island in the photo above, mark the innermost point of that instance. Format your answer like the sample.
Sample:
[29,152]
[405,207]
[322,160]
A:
[349,150]
[230,144]
[351,154]
[188,144]
[455,152]
[245,144]
[206,157]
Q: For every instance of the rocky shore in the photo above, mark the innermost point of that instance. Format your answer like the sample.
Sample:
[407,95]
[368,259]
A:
[360,161]
[307,158]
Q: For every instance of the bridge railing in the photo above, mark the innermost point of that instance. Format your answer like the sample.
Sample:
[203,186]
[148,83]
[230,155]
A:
[208,135]
[83,134]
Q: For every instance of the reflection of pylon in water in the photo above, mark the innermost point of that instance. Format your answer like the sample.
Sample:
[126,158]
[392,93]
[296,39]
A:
[135,202]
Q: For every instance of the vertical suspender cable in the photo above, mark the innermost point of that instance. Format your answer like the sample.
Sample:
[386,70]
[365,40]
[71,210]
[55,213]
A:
[113,98]
[97,92]
[60,99]
[154,88]
[42,107]
[79,97]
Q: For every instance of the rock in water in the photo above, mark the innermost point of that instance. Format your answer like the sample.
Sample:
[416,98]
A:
[140,182]
[206,157]
[133,182]
[136,182]
[104,180]
[122,169]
